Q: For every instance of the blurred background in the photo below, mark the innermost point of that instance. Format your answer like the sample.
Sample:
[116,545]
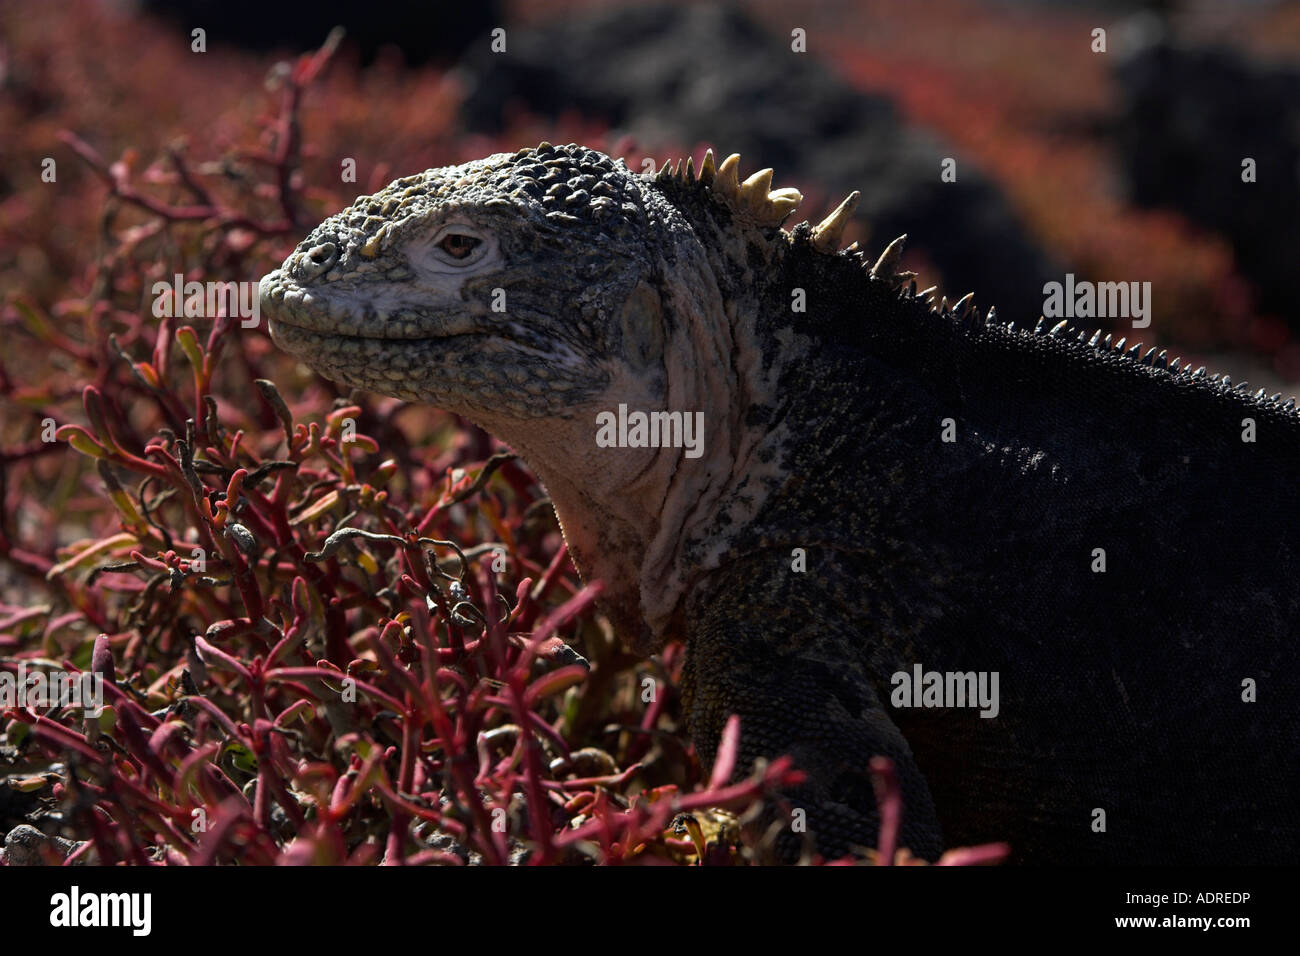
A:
[1123,165]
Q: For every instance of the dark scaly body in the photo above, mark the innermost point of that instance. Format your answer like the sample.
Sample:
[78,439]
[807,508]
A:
[1119,690]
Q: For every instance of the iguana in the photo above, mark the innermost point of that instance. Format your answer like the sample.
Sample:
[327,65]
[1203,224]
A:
[886,487]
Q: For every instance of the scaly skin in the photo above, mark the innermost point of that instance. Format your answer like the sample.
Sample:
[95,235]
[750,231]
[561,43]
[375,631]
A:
[1120,691]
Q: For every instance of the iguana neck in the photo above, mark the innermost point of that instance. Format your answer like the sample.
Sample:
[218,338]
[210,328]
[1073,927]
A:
[633,518]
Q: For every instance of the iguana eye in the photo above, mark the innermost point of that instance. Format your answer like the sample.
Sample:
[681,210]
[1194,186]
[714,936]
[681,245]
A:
[458,246]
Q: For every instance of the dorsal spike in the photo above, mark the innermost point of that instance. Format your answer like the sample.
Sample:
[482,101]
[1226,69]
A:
[1096,337]
[1162,360]
[886,266]
[665,171]
[690,170]
[1057,329]
[754,190]
[1119,346]
[828,233]
[1173,366]
[754,197]
[992,317]
[1226,381]
[780,203]
[727,182]
[1199,373]
[1149,356]
[707,168]
[1135,351]
[1042,324]
[964,304]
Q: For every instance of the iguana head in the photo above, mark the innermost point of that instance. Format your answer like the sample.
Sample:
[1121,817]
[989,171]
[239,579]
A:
[532,291]
[491,289]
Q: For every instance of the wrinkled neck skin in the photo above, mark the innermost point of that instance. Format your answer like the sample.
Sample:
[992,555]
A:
[635,518]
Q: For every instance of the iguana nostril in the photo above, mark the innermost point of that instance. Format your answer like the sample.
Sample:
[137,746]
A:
[318,259]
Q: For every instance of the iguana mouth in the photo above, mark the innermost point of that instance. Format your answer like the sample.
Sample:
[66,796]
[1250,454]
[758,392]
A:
[290,335]
[287,304]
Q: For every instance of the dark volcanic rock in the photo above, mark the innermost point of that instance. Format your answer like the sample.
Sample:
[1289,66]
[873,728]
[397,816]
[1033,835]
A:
[1189,117]
[706,73]
[422,30]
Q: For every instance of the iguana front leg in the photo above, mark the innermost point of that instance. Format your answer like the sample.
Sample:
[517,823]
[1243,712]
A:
[767,650]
